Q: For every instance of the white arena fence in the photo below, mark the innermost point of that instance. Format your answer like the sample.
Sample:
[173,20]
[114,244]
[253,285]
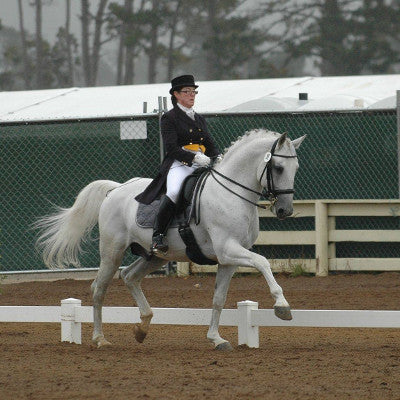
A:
[247,317]
[327,236]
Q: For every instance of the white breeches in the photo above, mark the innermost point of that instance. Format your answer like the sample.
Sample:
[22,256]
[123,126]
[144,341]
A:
[176,175]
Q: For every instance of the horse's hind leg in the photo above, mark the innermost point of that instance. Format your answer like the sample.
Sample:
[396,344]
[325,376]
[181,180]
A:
[132,276]
[222,281]
[108,267]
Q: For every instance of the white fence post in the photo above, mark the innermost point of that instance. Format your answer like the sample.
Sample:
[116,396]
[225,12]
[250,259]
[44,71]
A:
[321,238]
[183,269]
[70,329]
[247,334]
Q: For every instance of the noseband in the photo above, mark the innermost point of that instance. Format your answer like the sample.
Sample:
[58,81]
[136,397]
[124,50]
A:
[270,191]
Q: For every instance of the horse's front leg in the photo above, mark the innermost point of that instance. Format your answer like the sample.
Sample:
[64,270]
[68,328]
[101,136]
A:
[281,306]
[236,254]
[223,278]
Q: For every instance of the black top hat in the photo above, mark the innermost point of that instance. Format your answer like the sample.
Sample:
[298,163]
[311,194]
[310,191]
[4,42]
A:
[182,81]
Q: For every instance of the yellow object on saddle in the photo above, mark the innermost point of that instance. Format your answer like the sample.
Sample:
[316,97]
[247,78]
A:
[195,147]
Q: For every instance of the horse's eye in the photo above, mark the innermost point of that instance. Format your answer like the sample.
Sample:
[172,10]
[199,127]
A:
[278,169]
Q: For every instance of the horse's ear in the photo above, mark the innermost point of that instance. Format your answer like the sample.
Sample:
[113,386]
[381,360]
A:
[282,139]
[297,142]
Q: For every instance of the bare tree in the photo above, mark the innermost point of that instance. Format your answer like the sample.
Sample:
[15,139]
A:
[343,36]
[225,39]
[161,21]
[211,59]
[91,54]
[39,45]
[86,59]
[68,40]
[121,56]
[25,58]
[173,31]
[99,21]
[130,43]
[121,28]
[128,21]
[153,49]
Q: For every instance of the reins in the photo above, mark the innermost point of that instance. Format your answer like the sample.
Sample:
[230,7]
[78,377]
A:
[200,186]
[212,170]
[270,192]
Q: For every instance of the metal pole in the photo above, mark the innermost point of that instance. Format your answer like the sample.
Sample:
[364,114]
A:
[169,266]
[160,113]
[398,137]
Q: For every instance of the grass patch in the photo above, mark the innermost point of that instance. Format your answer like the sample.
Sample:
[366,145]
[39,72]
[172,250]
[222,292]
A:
[298,270]
[2,277]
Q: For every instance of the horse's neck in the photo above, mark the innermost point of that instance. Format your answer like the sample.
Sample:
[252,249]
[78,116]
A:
[242,168]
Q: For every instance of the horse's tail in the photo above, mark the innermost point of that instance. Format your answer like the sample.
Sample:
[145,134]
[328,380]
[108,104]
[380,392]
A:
[62,233]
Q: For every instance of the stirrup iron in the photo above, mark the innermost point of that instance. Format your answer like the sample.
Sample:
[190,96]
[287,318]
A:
[159,243]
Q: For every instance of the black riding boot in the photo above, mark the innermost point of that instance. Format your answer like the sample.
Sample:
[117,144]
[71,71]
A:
[161,223]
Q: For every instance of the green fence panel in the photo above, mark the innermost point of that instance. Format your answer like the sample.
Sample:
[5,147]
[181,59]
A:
[347,155]
[48,164]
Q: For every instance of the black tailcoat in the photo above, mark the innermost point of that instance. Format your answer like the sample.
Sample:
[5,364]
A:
[178,130]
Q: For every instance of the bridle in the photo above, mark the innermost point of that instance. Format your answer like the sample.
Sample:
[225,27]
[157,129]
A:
[270,191]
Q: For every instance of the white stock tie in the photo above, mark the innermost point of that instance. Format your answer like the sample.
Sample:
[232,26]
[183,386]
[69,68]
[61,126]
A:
[190,114]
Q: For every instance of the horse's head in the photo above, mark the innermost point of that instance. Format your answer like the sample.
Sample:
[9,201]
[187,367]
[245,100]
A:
[277,173]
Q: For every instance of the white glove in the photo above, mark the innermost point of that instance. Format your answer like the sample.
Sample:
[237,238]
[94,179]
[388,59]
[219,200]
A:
[202,160]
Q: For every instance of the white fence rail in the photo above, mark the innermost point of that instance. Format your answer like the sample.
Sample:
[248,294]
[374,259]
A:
[247,317]
[325,236]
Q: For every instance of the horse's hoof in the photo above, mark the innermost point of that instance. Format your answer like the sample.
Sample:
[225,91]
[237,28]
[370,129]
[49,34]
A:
[224,346]
[283,313]
[102,343]
[140,335]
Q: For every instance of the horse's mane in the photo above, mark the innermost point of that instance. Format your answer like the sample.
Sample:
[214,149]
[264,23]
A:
[247,137]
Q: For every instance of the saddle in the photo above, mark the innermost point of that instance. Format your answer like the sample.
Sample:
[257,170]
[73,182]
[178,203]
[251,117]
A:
[187,208]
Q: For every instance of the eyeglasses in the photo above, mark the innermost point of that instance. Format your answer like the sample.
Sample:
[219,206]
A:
[189,91]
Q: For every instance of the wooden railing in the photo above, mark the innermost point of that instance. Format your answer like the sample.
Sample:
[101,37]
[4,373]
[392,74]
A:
[325,236]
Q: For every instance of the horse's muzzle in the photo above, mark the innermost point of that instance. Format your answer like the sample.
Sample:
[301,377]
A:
[282,213]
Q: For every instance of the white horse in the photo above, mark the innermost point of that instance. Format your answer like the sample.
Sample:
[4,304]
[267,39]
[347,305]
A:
[229,226]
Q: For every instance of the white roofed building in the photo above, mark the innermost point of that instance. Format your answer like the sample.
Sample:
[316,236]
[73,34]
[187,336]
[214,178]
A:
[253,95]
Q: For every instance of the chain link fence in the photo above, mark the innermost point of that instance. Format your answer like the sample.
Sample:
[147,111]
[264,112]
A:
[347,155]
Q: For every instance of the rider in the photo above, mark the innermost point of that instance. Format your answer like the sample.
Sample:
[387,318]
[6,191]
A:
[188,146]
